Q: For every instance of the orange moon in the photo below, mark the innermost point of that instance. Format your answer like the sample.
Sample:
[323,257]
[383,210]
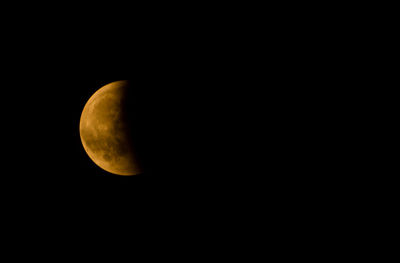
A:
[105,133]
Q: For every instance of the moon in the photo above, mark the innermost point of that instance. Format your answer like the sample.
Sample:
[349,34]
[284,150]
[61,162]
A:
[105,131]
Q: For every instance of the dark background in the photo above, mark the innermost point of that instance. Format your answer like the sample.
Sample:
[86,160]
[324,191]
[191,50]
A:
[201,109]
[178,126]
[210,99]
[228,117]
[236,116]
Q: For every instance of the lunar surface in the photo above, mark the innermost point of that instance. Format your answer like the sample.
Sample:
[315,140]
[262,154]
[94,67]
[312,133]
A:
[104,131]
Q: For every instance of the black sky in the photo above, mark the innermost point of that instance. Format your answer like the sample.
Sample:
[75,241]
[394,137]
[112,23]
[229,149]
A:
[227,113]
[191,97]
[186,148]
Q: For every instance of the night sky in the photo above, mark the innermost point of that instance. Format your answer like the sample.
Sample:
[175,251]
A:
[50,159]
[191,106]
[224,133]
[187,147]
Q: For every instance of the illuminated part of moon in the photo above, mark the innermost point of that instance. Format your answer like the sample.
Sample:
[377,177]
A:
[105,133]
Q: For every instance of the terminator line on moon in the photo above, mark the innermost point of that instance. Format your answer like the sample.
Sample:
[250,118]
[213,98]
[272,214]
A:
[104,131]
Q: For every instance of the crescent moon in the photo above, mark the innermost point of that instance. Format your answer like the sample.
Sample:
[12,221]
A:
[104,131]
